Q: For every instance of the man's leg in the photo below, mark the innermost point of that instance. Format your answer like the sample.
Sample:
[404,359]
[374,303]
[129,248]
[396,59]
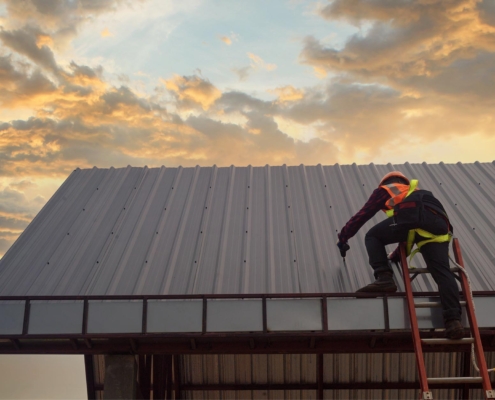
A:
[377,237]
[436,256]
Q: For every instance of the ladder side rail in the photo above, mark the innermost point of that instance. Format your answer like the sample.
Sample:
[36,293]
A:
[418,350]
[478,347]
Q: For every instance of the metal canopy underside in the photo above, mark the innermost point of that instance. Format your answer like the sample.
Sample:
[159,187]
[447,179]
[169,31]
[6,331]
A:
[297,376]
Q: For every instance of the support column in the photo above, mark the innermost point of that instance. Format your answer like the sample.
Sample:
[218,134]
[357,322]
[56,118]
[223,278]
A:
[120,377]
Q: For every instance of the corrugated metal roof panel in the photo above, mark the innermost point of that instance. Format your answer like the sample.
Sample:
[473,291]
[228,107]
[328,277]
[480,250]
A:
[230,230]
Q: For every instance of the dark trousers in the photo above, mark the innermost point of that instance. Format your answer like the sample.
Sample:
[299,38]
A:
[436,256]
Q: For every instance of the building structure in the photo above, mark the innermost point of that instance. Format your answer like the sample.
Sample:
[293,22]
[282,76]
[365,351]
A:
[226,282]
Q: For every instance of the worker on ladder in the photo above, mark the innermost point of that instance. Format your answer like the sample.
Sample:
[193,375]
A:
[424,222]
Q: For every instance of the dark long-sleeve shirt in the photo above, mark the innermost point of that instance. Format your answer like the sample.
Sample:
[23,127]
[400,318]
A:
[375,203]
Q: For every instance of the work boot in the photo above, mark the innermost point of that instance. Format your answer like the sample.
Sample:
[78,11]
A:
[383,283]
[454,329]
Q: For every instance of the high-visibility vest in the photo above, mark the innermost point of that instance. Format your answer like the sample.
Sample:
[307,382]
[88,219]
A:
[398,193]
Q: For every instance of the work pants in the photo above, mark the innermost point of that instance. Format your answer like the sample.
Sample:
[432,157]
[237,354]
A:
[436,256]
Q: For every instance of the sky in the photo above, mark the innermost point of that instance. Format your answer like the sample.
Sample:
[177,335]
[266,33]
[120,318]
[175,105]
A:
[106,83]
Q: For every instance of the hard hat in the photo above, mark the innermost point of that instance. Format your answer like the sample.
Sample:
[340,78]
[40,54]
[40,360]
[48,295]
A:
[393,174]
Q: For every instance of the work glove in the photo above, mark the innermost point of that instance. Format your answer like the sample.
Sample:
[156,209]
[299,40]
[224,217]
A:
[343,247]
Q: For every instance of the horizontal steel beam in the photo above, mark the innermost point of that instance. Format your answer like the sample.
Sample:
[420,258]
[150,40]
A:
[314,386]
[229,296]
[372,342]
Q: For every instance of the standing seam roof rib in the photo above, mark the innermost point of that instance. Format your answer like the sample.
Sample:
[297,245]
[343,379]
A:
[231,230]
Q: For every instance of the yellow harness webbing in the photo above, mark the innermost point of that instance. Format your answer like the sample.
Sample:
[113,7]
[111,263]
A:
[430,238]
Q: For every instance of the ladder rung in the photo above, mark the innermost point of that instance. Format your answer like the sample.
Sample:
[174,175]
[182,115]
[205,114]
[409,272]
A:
[447,341]
[432,304]
[425,270]
[465,379]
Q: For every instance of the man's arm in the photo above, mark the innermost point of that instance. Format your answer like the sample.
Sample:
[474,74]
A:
[375,203]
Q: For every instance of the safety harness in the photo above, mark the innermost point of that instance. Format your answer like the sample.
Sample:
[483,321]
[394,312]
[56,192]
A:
[397,192]
[430,238]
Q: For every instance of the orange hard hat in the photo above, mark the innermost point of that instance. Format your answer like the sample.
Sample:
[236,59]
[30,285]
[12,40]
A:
[393,174]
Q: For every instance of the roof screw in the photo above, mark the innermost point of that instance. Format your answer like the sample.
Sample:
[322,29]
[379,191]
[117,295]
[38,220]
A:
[206,207]
[97,262]
[195,262]
[201,231]
[84,209]
[146,261]
[67,233]
[48,262]
[157,233]
[294,260]
[244,260]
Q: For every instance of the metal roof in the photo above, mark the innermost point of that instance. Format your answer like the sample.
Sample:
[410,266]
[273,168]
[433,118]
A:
[216,230]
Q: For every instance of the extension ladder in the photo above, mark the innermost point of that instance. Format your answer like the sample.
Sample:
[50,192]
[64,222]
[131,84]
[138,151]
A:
[484,379]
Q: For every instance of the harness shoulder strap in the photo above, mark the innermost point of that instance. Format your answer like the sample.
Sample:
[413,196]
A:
[412,187]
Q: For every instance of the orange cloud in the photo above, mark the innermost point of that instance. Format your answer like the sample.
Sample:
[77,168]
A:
[106,33]
[410,45]
[287,94]
[226,40]
[193,91]
[44,40]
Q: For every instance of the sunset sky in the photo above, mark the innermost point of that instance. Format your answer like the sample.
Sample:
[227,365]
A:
[105,83]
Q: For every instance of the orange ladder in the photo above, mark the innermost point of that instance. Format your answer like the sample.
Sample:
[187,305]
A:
[484,379]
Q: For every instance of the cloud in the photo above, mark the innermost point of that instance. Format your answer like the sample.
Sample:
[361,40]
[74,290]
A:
[258,63]
[192,91]
[411,46]
[59,18]
[226,40]
[16,211]
[287,94]
[25,42]
[242,73]
[229,39]
[106,33]
[415,71]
